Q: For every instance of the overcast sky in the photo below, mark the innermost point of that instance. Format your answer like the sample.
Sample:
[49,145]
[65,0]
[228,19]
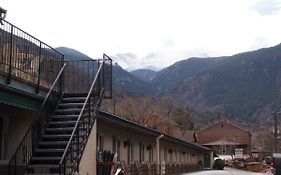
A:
[139,33]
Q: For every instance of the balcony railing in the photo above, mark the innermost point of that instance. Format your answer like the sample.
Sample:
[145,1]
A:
[80,74]
[26,58]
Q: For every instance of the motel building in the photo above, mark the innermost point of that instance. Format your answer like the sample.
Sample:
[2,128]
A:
[51,123]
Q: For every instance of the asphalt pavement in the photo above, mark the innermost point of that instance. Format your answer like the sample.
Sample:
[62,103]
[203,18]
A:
[226,171]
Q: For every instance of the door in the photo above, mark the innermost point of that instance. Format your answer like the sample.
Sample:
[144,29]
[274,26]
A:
[207,161]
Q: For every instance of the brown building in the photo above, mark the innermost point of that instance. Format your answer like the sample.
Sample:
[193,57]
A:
[224,138]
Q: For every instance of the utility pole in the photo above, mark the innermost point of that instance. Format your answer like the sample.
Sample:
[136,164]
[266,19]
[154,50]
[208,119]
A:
[274,115]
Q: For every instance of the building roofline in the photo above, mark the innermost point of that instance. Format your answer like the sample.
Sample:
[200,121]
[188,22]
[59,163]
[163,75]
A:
[133,125]
[225,123]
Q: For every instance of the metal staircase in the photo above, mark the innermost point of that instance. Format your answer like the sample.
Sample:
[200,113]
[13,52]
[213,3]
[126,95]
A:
[56,139]
[56,136]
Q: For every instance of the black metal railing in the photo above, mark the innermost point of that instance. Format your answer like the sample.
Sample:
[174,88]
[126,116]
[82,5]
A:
[99,87]
[26,58]
[80,74]
[33,135]
[106,75]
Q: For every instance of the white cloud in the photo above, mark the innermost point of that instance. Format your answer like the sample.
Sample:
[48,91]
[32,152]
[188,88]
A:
[157,32]
[267,7]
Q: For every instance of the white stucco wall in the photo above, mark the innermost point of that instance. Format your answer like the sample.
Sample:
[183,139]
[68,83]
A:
[88,161]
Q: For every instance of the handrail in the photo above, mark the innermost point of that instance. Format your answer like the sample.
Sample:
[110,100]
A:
[36,118]
[82,110]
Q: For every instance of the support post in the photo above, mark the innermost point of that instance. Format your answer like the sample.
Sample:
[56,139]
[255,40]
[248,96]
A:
[10,57]
[39,69]
[158,153]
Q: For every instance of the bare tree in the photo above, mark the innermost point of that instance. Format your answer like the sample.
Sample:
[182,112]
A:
[158,114]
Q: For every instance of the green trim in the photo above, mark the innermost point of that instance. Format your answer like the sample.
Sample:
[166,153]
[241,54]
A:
[20,99]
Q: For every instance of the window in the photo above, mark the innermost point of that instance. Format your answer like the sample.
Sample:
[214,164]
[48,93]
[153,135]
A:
[150,151]
[100,142]
[130,152]
[141,151]
[235,138]
[118,149]
[188,157]
[116,146]
[192,157]
[165,154]
[170,155]
[184,157]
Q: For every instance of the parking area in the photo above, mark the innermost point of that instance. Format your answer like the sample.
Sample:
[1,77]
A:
[226,171]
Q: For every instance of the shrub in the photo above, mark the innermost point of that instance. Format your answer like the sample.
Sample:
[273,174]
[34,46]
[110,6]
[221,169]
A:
[219,164]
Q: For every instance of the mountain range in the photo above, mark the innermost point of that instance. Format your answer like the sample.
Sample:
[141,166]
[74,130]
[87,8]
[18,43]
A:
[245,85]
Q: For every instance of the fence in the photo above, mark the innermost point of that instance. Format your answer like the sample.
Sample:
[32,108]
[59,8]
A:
[24,57]
[152,168]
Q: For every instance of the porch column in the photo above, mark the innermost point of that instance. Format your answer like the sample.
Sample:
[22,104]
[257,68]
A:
[158,152]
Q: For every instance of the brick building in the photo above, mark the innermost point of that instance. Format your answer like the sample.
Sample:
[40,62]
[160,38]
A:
[223,138]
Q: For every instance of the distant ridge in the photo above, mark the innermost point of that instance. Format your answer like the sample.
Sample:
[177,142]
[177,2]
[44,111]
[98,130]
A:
[72,54]
[122,80]
[246,85]
[144,74]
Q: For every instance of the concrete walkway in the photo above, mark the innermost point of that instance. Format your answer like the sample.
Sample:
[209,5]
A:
[226,171]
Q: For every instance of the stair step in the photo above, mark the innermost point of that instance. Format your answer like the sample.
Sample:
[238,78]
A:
[71,110]
[42,169]
[50,150]
[74,99]
[46,158]
[75,94]
[71,122]
[56,136]
[64,105]
[53,143]
[37,160]
[43,166]
[65,117]
[59,129]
